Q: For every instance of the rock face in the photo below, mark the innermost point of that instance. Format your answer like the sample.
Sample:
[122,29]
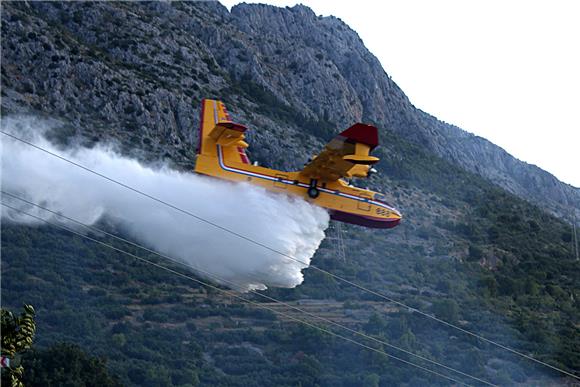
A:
[136,72]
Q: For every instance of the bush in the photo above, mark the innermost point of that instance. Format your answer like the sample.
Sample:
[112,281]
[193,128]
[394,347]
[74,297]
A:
[66,365]
[446,310]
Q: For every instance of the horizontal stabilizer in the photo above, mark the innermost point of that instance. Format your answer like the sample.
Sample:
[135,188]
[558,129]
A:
[360,159]
[228,133]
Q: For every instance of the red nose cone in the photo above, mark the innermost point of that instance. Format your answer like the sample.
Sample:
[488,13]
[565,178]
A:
[394,223]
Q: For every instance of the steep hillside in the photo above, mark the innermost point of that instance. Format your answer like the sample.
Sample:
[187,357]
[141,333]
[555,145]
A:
[321,65]
[468,252]
[164,57]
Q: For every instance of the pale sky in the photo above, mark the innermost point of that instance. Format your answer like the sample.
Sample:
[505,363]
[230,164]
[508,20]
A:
[508,71]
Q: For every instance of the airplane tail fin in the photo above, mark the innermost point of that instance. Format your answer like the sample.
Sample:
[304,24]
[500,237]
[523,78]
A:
[217,131]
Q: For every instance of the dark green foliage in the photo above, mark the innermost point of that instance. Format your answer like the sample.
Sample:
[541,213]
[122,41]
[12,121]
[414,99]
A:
[17,335]
[446,310]
[142,319]
[66,365]
[82,301]
[376,325]
[475,253]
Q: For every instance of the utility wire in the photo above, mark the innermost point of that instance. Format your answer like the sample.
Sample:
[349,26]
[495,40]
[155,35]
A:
[232,294]
[575,237]
[217,278]
[337,277]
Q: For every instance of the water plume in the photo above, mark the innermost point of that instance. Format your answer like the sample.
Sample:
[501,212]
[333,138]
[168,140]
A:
[286,224]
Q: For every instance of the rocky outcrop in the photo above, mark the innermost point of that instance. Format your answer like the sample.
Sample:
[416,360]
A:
[361,90]
[136,72]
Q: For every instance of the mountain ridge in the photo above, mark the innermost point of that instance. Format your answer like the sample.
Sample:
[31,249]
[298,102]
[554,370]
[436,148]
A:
[134,74]
[311,64]
[471,152]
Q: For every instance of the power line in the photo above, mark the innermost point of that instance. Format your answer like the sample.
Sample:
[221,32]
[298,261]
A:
[232,294]
[337,241]
[337,277]
[217,278]
[575,237]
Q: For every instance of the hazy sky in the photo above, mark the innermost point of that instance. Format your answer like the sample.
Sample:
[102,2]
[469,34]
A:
[508,71]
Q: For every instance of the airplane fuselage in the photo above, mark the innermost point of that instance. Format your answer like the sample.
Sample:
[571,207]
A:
[345,203]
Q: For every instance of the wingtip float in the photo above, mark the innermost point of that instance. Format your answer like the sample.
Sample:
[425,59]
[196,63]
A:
[221,154]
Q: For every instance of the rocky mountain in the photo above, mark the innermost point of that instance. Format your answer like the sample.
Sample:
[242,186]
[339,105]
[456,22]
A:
[301,70]
[470,250]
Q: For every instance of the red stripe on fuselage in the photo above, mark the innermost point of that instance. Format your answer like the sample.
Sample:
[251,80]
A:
[362,220]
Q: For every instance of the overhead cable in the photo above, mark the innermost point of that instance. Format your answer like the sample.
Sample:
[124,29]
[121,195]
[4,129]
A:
[234,295]
[335,276]
[236,285]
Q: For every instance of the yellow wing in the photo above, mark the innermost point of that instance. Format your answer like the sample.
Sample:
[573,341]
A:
[346,155]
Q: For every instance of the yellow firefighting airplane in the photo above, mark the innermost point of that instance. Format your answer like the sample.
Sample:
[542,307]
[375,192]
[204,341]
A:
[221,153]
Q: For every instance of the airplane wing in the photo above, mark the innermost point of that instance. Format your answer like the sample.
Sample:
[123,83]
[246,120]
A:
[346,155]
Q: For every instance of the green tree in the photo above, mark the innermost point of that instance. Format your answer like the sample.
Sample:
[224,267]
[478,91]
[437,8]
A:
[371,380]
[376,325]
[475,253]
[66,364]
[447,310]
[489,284]
[408,340]
[17,335]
